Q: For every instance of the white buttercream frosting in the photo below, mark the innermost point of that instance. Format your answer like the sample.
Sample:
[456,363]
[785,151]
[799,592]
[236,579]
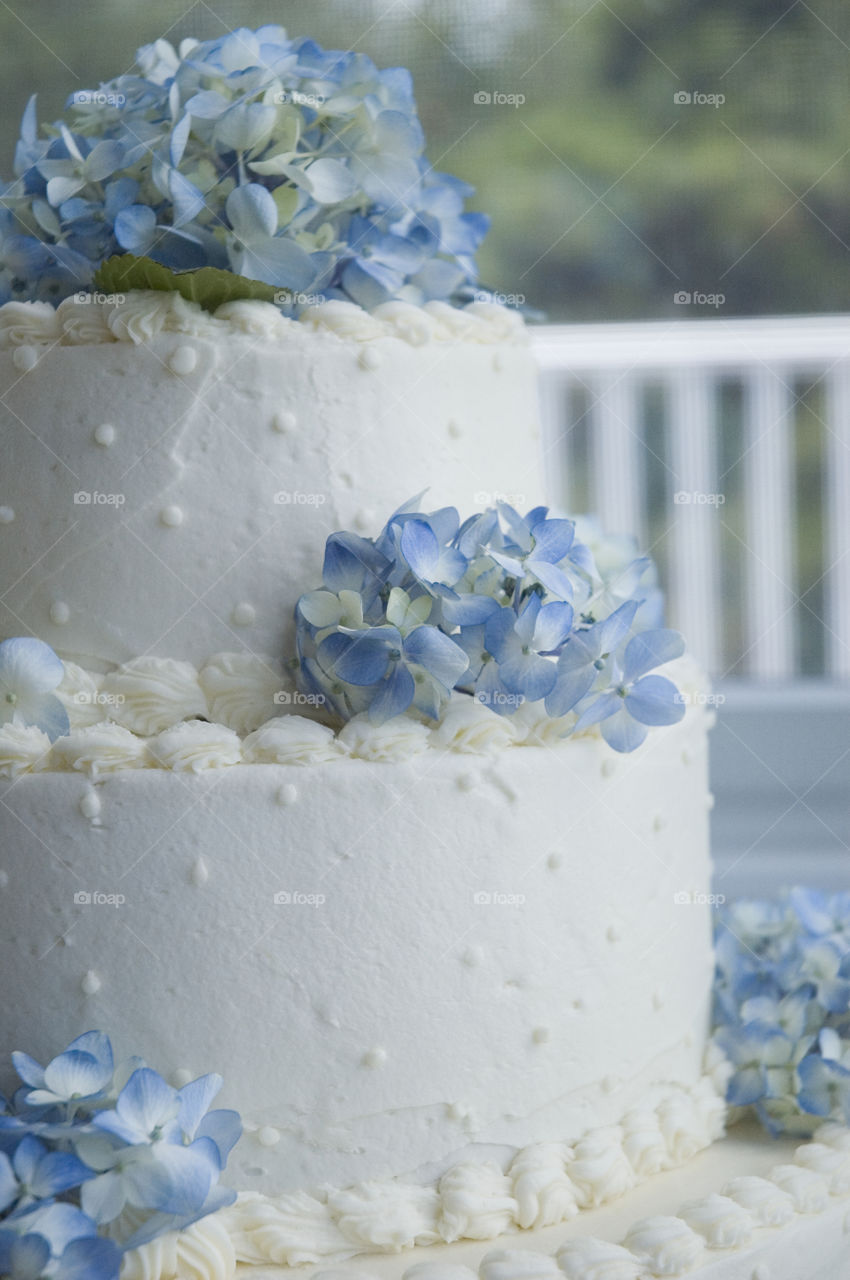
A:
[477,1202]
[542,1188]
[721,1221]
[246,692]
[396,739]
[643,1143]
[23,749]
[195,746]
[808,1191]
[303,1229]
[258,319]
[288,1231]
[345,319]
[140,314]
[151,694]
[292,740]
[829,1162]
[599,1169]
[683,1126]
[834,1135]
[99,749]
[470,727]
[240,689]
[23,323]
[79,694]
[666,1246]
[82,325]
[386,1216]
[518,1264]
[204,1251]
[592,1259]
[768,1204]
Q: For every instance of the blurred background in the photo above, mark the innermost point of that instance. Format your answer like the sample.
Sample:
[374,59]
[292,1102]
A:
[668,182]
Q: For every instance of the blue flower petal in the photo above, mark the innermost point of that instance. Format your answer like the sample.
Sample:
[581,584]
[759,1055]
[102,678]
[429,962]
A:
[651,649]
[363,661]
[90,1259]
[622,732]
[438,653]
[569,689]
[654,700]
[29,666]
[552,627]
[394,695]
[30,1071]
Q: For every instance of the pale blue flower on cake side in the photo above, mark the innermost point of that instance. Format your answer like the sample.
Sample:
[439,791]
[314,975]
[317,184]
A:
[59,1241]
[782,1007]
[510,609]
[29,673]
[97,1158]
[269,156]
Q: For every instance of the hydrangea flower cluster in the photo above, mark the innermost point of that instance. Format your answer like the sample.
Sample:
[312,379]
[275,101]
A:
[96,1159]
[29,673]
[782,1007]
[510,609]
[271,157]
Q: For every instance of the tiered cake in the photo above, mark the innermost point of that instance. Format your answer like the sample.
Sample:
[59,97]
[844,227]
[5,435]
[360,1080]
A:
[455,968]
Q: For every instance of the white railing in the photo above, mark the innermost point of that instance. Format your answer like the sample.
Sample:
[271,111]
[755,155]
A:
[597,381]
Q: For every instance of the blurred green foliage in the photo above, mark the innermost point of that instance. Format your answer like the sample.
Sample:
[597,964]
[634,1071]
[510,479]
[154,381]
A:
[607,196]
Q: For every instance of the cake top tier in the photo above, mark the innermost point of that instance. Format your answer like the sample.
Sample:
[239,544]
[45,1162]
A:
[292,167]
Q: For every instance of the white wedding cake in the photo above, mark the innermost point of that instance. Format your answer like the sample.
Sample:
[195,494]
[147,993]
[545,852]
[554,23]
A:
[447,937]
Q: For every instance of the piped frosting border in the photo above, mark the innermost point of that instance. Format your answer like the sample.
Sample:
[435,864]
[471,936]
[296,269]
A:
[544,1184]
[141,314]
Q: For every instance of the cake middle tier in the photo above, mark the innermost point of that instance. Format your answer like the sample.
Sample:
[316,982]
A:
[394,964]
[169,491]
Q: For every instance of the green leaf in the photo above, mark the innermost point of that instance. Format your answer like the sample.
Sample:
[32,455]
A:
[210,287]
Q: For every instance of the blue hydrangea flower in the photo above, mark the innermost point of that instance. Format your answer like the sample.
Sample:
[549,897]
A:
[295,165]
[637,700]
[521,644]
[58,1241]
[782,1008]
[29,672]
[432,604]
[416,665]
[122,1149]
[585,658]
